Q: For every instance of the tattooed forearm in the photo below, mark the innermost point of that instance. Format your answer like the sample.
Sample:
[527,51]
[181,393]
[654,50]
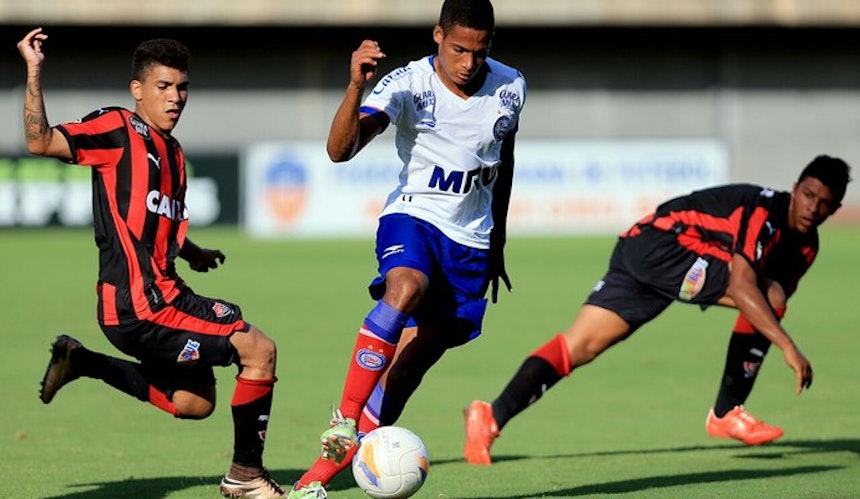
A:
[36,126]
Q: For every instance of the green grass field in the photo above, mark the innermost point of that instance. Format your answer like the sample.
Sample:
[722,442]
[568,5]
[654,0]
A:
[631,424]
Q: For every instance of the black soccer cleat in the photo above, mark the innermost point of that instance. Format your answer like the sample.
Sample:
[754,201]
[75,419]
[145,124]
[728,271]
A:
[59,370]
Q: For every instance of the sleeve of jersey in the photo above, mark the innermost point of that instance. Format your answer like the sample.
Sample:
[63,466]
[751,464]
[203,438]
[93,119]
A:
[97,139]
[754,234]
[524,90]
[385,100]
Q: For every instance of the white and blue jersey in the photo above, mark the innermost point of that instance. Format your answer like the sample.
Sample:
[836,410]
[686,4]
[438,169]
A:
[450,147]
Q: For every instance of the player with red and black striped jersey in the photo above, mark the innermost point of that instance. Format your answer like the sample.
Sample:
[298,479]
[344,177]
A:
[144,308]
[786,263]
[734,245]
[139,216]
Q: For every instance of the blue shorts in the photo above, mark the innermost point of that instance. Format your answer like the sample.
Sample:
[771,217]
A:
[457,273]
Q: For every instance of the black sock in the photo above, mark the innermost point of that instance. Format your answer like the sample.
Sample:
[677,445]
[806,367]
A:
[534,377]
[125,376]
[250,422]
[743,360]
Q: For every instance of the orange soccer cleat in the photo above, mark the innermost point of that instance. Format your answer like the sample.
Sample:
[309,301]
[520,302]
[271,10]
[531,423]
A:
[741,425]
[481,431]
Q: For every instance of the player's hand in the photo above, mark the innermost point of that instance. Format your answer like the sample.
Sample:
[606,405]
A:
[495,284]
[206,259]
[801,366]
[30,47]
[497,271]
[364,63]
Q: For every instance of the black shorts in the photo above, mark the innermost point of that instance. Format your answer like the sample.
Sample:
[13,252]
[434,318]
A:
[649,271]
[181,343]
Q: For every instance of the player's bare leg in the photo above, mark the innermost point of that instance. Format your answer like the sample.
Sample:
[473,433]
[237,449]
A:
[746,351]
[251,405]
[593,331]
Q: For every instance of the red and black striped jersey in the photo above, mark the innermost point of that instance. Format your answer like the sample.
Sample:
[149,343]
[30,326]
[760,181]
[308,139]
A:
[139,213]
[790,258]
[721,221]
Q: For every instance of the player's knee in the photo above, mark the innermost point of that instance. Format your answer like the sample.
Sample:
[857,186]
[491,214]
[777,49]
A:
[195,412]
[583,353]
[404,288]
[256,351]
[190,405]
[265,353]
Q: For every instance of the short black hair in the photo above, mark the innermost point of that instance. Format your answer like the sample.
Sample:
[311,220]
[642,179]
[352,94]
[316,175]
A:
[163,51]
[475,14]
[832,172]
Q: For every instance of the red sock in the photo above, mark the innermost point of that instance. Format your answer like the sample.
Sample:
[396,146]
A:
[370,358]
[743,326]
[159,399]
[555,352]
[324,471]
[250,390]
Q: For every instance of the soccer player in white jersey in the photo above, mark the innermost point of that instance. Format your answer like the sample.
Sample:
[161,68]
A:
[441,234]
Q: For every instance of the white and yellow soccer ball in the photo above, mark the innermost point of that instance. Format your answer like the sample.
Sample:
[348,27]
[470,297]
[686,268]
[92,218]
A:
[391,463]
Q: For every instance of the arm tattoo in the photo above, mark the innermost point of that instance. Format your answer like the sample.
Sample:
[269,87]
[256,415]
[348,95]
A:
[35,121]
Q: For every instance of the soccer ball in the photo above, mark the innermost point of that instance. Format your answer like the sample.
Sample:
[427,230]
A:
[391,463]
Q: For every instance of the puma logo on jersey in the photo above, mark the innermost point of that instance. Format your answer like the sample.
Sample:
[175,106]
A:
[161,204]
[155,160]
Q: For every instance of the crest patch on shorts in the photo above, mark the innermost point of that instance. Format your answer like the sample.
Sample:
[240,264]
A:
[221,310]
[189,354]
[694,281]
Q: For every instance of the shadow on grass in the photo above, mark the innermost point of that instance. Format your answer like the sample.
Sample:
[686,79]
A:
[161,487]
[158,488]
[674,480]
[775,450]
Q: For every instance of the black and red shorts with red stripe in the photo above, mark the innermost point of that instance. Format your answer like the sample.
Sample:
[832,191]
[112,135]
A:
[187,337]
[650,270]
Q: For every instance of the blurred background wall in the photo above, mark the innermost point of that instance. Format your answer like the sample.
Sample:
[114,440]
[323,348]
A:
[773,82]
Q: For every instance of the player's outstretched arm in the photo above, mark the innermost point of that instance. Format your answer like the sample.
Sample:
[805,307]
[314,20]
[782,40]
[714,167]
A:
[41,138]
[501,202]
[201,259]
[743,290]
[349,133]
